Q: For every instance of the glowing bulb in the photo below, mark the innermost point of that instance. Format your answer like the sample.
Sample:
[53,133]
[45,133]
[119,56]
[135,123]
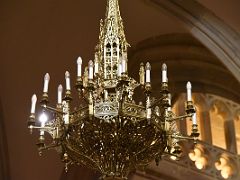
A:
[43,118]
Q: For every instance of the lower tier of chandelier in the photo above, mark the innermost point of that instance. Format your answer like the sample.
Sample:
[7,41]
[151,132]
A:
[112,145]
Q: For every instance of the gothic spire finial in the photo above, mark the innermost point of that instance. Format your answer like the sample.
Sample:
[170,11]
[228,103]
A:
[112,41]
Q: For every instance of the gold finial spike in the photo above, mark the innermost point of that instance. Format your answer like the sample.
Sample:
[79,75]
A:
[112,9]
[113,24]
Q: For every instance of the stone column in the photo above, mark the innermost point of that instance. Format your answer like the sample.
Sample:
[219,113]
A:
[230,136]
[206,132]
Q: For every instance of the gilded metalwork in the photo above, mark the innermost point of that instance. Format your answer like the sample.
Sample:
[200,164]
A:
[108,131]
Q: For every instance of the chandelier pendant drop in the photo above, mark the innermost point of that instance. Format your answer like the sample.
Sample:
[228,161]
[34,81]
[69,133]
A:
[108,131]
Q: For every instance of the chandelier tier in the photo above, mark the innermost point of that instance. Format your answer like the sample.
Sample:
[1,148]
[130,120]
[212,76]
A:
[109,132]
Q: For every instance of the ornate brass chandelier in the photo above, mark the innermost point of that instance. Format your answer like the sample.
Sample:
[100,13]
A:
[109,132]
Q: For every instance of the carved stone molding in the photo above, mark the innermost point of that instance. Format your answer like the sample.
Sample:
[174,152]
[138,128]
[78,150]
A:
[186,169]
[223,41]
[187,59]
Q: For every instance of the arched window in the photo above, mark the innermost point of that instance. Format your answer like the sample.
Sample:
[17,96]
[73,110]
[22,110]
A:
[217,124]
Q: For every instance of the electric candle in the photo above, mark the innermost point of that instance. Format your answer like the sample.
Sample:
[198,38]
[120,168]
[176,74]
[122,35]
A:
[60,90]
[123,65]
[194,119]
[142,74]
[189,91]
[90,67]
[164,73]
[67,78]
[34,101]
[96,65]
[46,82]
[119,69]
[148,68]
[79,67]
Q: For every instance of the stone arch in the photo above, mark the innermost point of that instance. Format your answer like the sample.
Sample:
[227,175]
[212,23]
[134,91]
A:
[201,101]
[187,60]
[222,109]
[216,35]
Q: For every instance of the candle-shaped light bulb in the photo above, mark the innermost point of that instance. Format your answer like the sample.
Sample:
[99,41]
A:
[34,101]
[79,66]
[142,74]
[96,65]
[123,64]
[164,73]
[105,95]
[60,90]
[148,69]
[119,69]
[67,78]
[46,82]
[189,91]
[194,119]
[90,67]
[169,102]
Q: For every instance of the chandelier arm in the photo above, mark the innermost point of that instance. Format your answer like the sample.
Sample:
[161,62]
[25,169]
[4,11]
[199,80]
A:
[171,154]
[156,103]
[52,109]
[146,148]
[47,147]
[83,93]
[157,126]
[43,128]
[179,117]
[81,96]
[182,137]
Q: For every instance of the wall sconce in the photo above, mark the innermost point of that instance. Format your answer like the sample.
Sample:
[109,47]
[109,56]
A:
[199,157]
[226,166]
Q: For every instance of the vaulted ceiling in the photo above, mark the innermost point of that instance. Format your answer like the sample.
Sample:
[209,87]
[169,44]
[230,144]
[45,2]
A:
[47,36]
